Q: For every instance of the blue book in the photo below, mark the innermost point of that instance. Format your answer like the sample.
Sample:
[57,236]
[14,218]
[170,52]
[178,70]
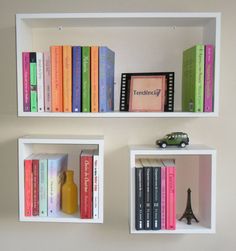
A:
[106,79]
[76,79]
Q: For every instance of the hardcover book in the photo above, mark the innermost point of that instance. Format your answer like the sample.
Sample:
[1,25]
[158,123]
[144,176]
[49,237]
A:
[40,83]
[76,79]
[209,78]
[56,78]
[126,84]
[94,79]
[193,79]
[57,165]
[106,79]
[33,83]
[95,185]
[86,81]
[86,184]
[163,197]
[26,81]
[147,94]
[67,78]
[35,195]
[47,82]
[139,196]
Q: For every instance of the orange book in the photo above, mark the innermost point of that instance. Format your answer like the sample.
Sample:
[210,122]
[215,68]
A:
[67,78]
[94,79]
[56,78]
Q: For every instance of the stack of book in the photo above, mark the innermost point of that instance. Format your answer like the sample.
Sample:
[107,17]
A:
[198,79]
[69,79]
[155,194]
[44,175]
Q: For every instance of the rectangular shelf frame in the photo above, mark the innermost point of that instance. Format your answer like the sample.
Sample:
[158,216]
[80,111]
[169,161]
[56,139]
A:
[210,22]
[208,157]
[25,148]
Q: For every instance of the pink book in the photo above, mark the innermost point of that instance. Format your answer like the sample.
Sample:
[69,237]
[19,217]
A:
[47,82]
[163,197]
[35,188]
[170,194]
[208,78]
[26,81]
[28,186]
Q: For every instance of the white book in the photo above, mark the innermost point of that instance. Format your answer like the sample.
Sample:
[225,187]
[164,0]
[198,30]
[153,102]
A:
[95,187]
[40,84]
[47,82]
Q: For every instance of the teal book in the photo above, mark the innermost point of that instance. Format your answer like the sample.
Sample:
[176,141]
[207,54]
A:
[43,185]
[86,82]
[193,79]
[33,83]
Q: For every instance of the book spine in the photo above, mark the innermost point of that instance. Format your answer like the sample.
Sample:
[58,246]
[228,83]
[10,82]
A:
[33,83]
[35,169]
[40,84]
[28,187]
[163,198]
[86,173]
[199,78]
[170,198]
[26,81]
[106,79]
[47,82]
[76,79]
[56,78]
[43,187]
[169,99]
[139,199]
[94,79]
[86,79]
[67,78]
[156,199]
[147,198]
[95,187]
[208,78]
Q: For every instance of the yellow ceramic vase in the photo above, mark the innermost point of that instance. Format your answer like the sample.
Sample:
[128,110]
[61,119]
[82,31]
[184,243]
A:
[69,194]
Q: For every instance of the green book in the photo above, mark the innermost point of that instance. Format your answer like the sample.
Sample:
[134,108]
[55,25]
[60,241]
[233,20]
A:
[193,79]
[86,79]
[43,185]
[33,83]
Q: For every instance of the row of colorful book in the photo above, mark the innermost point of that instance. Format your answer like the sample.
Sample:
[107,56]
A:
[69,79]
[155,194]
[198,79]
[44,176]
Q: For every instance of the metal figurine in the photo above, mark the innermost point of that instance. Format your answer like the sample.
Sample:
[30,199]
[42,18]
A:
[188,213]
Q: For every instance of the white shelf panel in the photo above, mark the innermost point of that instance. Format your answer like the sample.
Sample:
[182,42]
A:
[195,169]
[160,32]
[72,145]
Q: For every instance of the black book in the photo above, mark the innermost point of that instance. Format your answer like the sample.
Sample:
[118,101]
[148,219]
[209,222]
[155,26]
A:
[147,169]
[156,195]
[139,196]
[125,89]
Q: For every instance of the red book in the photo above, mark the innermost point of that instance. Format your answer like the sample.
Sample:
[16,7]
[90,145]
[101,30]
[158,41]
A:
[28,186]
[35,170]
[170,194]
[86,182]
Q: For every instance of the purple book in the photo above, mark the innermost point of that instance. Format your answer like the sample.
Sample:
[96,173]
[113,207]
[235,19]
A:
[76,79]
[26,81]
[208,78]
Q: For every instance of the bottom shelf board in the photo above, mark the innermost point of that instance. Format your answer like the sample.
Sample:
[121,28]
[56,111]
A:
[61,217]
[181,228]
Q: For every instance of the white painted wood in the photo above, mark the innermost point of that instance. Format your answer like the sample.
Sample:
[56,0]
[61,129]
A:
[204,27]
[202,158]
[64,144]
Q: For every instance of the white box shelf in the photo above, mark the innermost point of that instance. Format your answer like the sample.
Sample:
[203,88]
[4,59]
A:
[195,169]
[72,145]
[143,42]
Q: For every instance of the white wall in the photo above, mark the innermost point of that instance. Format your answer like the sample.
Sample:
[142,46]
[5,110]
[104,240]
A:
[114,233]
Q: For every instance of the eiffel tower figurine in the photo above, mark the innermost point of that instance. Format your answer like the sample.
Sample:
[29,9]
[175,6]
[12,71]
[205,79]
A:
[188,213]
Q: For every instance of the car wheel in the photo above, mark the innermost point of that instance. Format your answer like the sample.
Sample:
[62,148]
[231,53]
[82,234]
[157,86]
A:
[163,145]
[182,144]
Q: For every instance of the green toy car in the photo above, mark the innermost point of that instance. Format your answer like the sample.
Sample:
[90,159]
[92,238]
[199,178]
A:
[180,139]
